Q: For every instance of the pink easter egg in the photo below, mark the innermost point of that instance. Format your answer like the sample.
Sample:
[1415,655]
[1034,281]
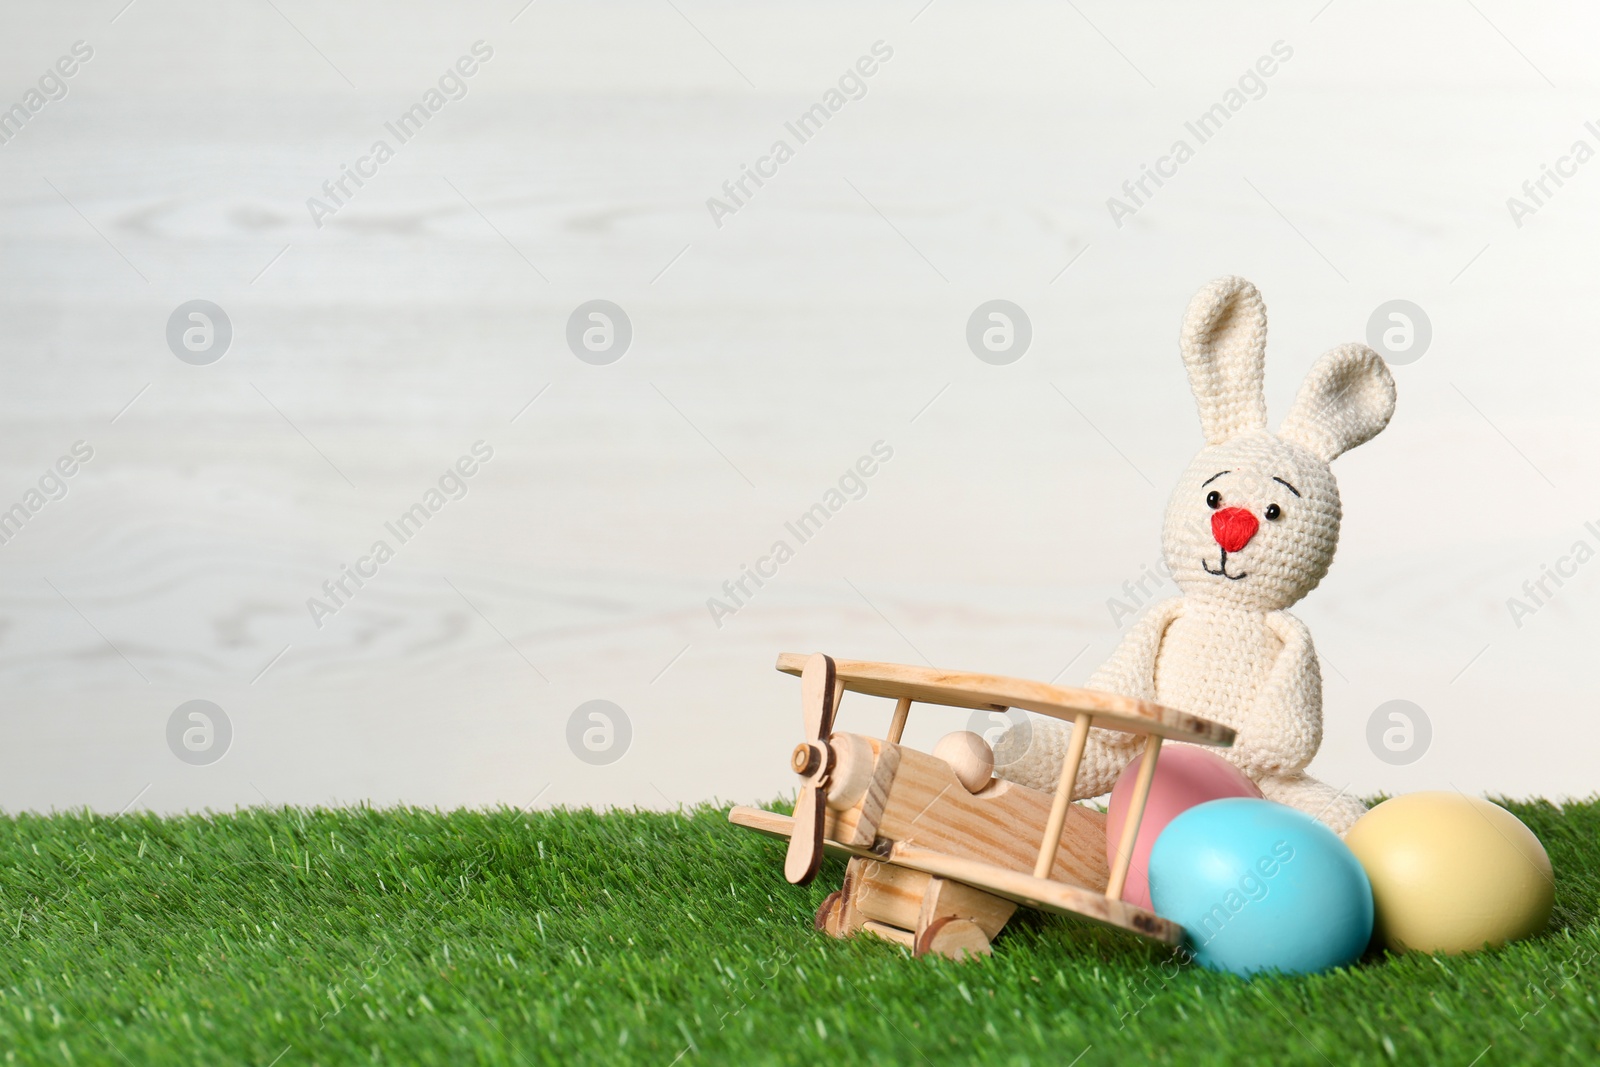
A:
[1185,776]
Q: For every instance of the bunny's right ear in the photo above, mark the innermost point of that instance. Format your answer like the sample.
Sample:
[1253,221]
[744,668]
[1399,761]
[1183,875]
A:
[1346,400]
[1224,345]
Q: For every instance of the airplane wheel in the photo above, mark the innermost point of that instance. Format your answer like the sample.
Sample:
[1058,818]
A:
[829,902]
[953,938]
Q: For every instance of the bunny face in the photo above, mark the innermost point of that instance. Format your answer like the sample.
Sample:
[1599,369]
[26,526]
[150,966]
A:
[1254,521]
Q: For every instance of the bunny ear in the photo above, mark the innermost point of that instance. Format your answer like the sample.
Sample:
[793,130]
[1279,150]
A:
[1346,399]
[1224,344]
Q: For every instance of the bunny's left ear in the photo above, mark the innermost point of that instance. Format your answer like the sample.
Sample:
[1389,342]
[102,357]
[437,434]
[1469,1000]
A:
[1346,399]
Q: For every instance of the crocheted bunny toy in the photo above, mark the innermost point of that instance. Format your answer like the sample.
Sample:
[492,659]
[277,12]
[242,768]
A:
[1250,529]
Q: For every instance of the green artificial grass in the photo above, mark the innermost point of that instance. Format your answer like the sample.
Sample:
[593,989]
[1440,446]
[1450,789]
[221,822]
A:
[501,937]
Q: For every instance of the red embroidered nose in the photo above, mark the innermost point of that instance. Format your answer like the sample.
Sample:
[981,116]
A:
[1233,528]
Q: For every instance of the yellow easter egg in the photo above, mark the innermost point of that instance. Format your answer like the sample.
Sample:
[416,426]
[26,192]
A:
[1452,873]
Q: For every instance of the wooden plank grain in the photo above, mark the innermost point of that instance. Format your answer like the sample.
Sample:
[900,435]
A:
[992,692]
[1039,893]
[1017,886]
[997,825]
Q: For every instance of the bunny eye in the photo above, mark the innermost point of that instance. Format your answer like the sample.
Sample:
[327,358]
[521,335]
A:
[1273,512]
[1213,499]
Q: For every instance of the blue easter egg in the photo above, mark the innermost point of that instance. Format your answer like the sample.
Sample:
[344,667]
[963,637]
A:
[1259,886]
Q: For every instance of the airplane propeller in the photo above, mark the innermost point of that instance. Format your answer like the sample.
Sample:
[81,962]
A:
[813,761]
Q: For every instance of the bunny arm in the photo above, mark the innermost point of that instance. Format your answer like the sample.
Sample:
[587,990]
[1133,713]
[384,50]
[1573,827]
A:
[1033,756]
[1283,730]
[1131,670]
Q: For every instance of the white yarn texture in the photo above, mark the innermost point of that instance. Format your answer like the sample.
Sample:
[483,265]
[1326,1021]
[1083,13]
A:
[1227,649]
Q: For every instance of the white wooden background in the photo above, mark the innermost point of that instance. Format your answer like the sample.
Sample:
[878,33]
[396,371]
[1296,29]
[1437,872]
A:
[768,355]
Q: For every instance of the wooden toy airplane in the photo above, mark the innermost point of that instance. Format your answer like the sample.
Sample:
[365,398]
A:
[940,867]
